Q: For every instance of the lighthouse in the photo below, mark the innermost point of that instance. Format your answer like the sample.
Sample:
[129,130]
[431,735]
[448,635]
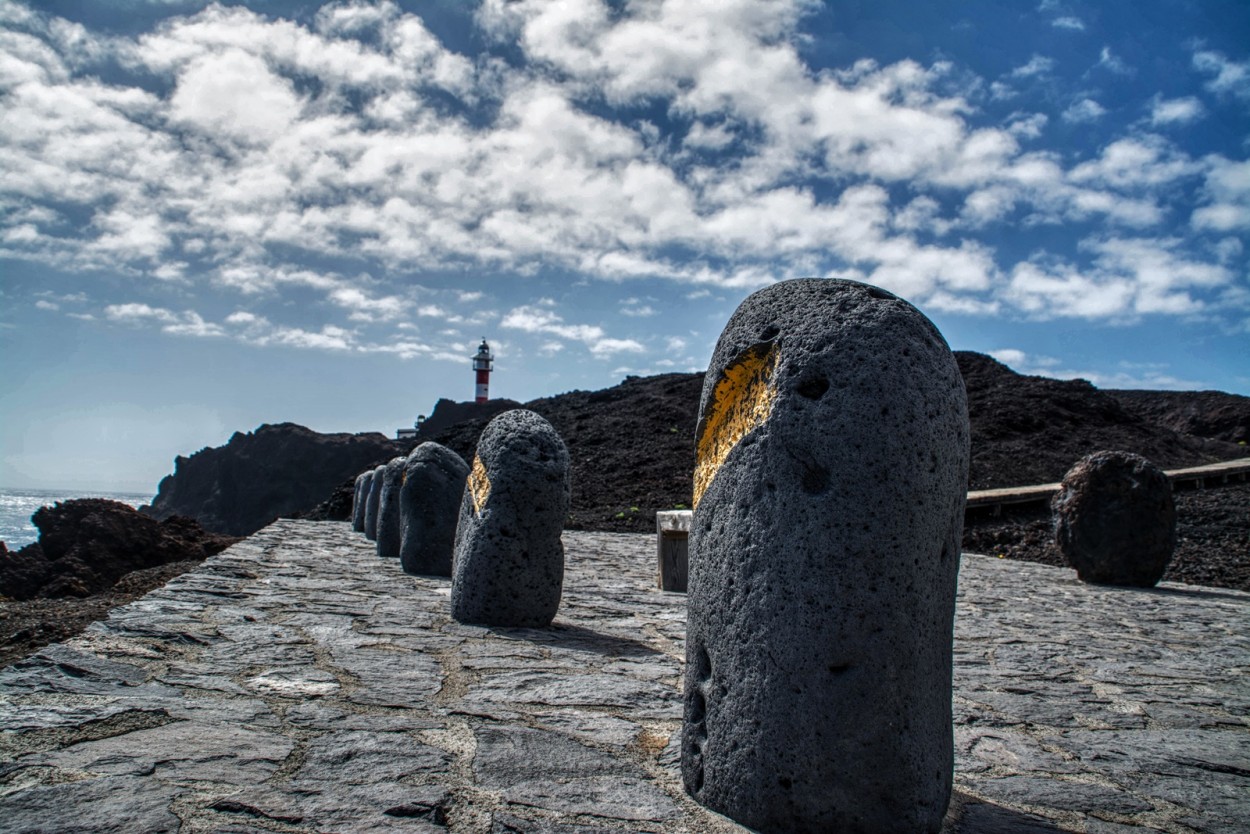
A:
[482,367]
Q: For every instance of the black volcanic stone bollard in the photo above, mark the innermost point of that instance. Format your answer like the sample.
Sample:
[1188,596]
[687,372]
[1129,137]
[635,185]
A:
[509,561]
[830,478]
[371,503]
[359,499]
[388,508]
[429,506]
[1115,519]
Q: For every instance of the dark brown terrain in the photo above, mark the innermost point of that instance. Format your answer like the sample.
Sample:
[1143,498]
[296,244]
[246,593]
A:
[256,477]
[92,555]
[631,448]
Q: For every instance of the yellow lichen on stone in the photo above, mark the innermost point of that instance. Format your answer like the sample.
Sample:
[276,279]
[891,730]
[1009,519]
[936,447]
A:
[741,402]
[479,485]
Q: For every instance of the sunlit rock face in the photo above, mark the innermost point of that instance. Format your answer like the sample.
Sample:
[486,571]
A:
[509,560]
[830,477]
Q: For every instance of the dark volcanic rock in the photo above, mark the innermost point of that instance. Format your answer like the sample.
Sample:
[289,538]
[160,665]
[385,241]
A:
[449,413]
[85,545]
[1115,520]
[373,502]
[390,523]
[429,503]
[632,454]
[274,471]
[630,448]
[1029,429]
[830,478]
[508,568]
[1211,414]
[359,494]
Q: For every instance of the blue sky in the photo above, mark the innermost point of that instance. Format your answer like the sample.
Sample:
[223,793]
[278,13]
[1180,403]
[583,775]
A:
[214,216]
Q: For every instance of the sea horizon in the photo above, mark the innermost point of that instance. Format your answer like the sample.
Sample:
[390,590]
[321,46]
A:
[18,504]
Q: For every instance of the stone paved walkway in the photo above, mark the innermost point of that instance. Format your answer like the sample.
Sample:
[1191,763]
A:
[297,683]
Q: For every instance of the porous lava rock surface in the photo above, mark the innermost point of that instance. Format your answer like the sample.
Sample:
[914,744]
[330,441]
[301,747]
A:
[1211,414]
[830,478]
[359,493]
[1031,430]
[508,568]
[429,504]
[389,520]
[85,545]
[373,502]
[275,471]
[1115,519]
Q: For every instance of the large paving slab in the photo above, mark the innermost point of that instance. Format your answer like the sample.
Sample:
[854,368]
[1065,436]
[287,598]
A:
[298,683]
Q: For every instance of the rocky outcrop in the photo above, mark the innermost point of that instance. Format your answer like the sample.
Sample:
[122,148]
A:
[1032,429]
[448,413]
[86,544]
[275,471]
[1115,519]
[1211,414]
[631,447]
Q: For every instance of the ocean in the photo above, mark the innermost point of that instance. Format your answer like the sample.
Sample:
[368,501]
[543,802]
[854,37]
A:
[18,505]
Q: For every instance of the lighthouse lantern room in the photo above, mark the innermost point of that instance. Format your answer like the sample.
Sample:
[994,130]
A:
[482,367]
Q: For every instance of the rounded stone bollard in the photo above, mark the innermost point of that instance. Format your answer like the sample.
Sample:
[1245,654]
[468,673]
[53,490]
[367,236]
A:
[830,478]
[359,498]
[429,507]
[1115,519]
[508,567]
[388,508]
[371,503]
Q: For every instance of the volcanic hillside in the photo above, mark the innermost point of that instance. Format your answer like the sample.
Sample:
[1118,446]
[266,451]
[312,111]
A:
[632,446]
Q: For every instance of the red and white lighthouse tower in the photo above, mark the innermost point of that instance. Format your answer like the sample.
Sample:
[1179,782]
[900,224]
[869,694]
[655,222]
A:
[482,367]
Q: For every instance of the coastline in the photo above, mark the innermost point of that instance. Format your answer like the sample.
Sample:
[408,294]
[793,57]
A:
[18,504]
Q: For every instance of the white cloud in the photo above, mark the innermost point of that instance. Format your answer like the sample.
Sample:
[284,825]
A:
[1061,290]
[1128,277]
[636,308]
[1085,110]
[533,319]
[1175,111]
[41,304]
[540,319]
[1227,191]
[1143,162]
[187,323]
[1037,65]
[1074,24]
[234,95]
[1231,77]
[1128,374]
[329,337]
[610,347]
[257,146]
[364,307]
[135,312]
[1163,279]
[192,324]
[244,318]
[1110,61]
[1011,357]
[1027,125]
